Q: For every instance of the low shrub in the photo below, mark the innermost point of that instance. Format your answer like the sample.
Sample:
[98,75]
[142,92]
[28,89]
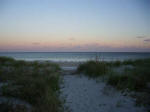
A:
[117,63]
[93,68]
[135,79]
[126,81]
[34,82]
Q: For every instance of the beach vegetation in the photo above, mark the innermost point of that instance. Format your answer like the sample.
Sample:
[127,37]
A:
[133,79]
[34,82]
[93,68]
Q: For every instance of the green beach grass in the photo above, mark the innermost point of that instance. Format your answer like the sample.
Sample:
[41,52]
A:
[93,68]
[133,79]
[37,83]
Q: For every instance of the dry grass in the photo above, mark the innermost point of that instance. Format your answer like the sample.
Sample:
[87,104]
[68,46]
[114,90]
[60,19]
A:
[34,82]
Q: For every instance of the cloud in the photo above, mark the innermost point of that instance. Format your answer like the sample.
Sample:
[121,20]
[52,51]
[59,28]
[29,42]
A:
[140,36]
[71,39]
[36,43]
[91,47]
[78,46]
[147,40]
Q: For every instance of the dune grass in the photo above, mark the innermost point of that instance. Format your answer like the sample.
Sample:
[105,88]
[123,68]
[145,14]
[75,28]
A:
[124,81]
[135,79]
[93,68]
[129,62]
[34,82]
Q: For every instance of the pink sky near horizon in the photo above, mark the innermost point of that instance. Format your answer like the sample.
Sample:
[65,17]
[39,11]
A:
[80,25]
[75,46]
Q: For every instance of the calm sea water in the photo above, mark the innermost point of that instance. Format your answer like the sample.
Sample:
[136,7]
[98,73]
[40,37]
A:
[75,56]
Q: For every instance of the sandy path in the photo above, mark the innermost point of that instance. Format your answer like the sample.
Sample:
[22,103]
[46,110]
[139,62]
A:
[87,95]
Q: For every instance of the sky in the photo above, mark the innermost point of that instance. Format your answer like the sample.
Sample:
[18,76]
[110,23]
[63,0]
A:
[75,25]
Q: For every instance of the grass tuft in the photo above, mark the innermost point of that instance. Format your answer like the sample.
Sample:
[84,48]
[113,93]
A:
[93,68]
[133,79]
[34,82]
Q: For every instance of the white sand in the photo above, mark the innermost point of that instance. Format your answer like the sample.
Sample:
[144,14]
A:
[87,95]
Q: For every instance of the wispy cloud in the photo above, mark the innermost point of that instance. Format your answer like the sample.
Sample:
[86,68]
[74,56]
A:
[147,40]
[87,47]
[71,38]
[140,36]
[36,43]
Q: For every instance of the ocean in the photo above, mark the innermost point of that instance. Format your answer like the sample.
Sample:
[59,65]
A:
[75,56]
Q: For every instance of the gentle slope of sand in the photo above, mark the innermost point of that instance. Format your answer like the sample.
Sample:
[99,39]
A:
[87,95]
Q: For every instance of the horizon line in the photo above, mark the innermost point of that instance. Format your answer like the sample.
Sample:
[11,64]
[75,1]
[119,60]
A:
[74,51]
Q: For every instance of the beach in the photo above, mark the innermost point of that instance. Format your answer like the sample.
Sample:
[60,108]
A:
[83,94]
[77,91]
[74,56]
